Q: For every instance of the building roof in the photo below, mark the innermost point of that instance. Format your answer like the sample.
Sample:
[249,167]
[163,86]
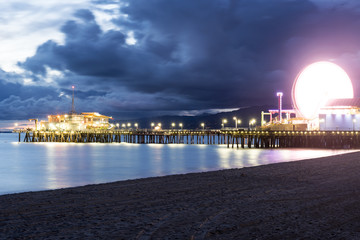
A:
[94,114]
[282,110]
[343,102]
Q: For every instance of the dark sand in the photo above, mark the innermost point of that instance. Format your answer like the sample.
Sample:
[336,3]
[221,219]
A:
[310,199]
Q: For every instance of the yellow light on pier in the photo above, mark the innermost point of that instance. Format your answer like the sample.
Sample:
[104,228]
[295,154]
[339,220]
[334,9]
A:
[252,123]
[354,123]
[237,121]
[224,121]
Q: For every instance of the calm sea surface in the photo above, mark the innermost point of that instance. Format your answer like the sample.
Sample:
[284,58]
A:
[41,166]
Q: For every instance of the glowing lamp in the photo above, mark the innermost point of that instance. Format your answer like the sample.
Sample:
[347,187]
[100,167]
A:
[318,83]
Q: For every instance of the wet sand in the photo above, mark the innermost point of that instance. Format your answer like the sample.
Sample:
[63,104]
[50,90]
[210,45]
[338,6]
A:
[309,199]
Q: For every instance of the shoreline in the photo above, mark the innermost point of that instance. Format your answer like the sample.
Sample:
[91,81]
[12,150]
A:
[209,158]
[305,199]
[177,174]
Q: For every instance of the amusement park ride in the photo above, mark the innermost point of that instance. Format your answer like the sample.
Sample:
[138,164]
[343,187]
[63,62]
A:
[322,99]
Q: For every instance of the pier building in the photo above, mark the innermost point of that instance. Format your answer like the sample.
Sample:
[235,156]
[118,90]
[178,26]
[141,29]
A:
[73,121]
[340,114]
[78,122]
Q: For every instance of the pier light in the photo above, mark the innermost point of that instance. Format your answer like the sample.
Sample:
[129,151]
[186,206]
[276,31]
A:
[181,125]
[152,125]
[136,125]
[252,123]
[129,124]
[159,124]
[123,125]
[172,125]
[117,125]
[203,125]
[354,122]
[235,119]
[224,121]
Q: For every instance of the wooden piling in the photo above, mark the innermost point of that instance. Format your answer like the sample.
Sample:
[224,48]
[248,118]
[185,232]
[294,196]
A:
[239,138]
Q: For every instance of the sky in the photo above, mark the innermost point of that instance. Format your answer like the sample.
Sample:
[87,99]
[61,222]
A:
[139,58]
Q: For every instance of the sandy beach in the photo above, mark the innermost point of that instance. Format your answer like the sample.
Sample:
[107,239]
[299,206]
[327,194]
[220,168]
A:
[309,199]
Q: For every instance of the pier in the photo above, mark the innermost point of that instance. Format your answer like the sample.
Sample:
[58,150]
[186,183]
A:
[231,138]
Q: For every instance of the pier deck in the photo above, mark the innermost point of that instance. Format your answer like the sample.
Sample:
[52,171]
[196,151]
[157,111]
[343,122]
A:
[232,138]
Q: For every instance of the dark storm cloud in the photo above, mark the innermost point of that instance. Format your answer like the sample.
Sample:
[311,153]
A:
[84,14]
[21,102]
[200,54]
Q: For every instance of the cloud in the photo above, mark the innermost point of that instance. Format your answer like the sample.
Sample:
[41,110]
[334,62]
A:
[85,14]
[212,57]
[27,24]
[194,55]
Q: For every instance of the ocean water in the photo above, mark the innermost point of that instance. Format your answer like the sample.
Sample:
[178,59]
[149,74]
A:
[41,166]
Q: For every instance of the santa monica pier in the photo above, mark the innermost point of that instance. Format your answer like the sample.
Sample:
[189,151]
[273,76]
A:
[325,114]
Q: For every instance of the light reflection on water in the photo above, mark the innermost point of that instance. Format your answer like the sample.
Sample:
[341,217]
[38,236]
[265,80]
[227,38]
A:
[40,166]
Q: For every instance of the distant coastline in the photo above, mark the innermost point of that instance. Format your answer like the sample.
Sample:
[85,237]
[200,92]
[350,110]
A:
[6,131]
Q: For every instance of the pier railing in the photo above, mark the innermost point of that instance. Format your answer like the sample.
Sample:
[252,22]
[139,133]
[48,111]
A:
[231,138]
